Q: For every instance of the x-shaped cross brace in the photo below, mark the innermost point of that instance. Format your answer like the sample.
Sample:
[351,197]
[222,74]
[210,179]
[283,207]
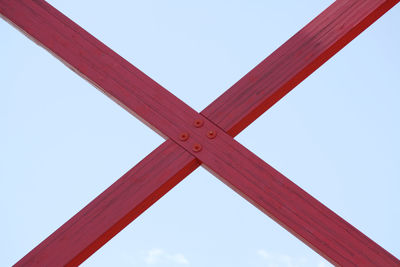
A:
[201,138]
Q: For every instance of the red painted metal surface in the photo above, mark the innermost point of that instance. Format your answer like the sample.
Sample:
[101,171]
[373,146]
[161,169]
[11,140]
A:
[294,61]
[290,206]
[114,209]
[293,208]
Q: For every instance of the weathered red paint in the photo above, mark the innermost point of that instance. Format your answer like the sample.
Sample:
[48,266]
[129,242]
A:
[255,180]
[294,61]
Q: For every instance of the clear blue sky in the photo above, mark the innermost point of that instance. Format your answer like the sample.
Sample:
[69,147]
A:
[62,142]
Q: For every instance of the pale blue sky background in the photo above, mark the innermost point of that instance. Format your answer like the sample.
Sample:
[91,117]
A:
[62,142]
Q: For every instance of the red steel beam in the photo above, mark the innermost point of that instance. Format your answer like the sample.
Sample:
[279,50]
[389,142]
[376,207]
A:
[114,209]
[289,205]
[293,62]
[216,168]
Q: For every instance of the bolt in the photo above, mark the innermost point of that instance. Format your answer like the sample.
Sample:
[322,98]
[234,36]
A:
[197,148]
[198,123]
[211,134]
[184,136]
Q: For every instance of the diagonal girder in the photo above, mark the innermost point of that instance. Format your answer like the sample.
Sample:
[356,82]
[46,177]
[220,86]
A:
[361,14]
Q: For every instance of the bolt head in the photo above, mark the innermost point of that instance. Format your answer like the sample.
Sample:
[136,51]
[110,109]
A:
[183,136]
[198,123]
[211,134]
[197,147]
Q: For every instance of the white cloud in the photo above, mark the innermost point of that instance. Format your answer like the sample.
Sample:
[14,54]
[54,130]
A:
[156,255]
[273,259]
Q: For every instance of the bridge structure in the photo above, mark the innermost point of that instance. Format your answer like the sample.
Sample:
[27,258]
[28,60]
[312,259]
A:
[206,138]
